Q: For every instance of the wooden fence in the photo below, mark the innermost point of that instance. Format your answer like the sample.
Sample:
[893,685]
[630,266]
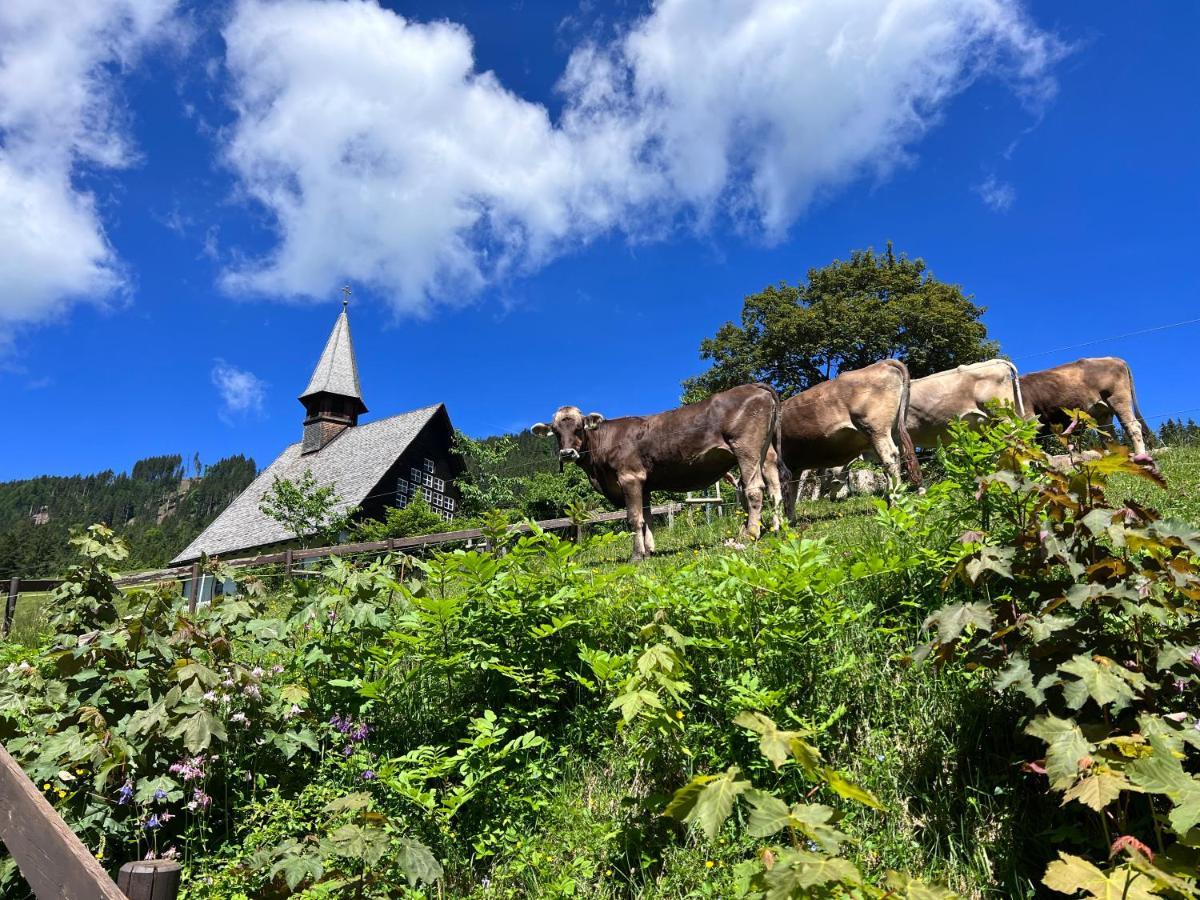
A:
[288,558]
[53,859]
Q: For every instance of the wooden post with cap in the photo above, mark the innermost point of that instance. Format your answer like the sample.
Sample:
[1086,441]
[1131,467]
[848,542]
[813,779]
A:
[194,588]
[150,879]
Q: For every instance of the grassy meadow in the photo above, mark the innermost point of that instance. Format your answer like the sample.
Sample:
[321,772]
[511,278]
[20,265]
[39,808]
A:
[486,727]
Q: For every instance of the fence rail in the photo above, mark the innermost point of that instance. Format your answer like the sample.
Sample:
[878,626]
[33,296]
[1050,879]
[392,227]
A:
[290,557]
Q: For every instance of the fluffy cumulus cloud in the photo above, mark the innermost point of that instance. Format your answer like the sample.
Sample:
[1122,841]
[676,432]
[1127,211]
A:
[384,155]
[242,393]
[60,115]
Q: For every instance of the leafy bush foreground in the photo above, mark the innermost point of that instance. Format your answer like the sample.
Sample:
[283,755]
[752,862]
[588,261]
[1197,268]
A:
[993,695]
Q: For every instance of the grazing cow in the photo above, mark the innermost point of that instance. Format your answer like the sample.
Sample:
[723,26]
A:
[937,400]
[683,449]
[1100,386]
[839,420]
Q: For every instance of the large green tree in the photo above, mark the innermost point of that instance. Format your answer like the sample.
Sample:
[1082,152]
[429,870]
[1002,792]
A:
[846,315]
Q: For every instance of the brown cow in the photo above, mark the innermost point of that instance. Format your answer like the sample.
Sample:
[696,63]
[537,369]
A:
[683,449]
[839,420]
[1100,386]
[937,400]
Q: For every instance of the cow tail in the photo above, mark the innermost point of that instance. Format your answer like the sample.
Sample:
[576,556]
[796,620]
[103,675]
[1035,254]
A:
[1016,380]
[908,453]
[775,441]
[1147,435]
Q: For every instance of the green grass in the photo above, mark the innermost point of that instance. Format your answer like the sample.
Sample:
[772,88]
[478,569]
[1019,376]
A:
[1180,466]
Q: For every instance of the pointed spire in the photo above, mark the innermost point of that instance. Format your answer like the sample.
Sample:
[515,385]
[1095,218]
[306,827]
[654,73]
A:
[337,370]
[333,399]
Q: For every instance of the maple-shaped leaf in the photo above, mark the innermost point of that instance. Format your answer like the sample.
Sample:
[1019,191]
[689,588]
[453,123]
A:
[707,800]
[905,887]
[1066,748]
[952,620]
[1071,874]
[1098,789]
[796,871]
[1098,680]
[1163,773]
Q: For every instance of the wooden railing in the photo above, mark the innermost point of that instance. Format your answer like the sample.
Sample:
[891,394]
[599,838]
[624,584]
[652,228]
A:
[55,862]
[288,558]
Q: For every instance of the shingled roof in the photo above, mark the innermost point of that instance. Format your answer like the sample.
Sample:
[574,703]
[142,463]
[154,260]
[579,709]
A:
[353,462]
[337,370]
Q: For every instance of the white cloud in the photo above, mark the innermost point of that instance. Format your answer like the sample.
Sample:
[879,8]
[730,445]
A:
[384,156]
[242,393]
[996,195]
[60,115]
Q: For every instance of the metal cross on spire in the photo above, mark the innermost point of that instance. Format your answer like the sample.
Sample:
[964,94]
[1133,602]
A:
[346,296]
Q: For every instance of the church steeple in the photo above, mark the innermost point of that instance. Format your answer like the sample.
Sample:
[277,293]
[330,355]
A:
[333,399]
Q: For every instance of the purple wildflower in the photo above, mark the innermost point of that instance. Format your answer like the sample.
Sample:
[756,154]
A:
[333,615]
[368,775]
[347,750]
[276,669]
[1181,685]
[360,732]
[125,793]
[1195,658]
[256,672]
[190,769]
[153,822]
[160,794]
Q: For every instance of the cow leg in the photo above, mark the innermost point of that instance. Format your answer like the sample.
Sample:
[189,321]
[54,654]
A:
[750,465]
[773,475]
[889,454]
[632,489]
[647,535]
[1129,421]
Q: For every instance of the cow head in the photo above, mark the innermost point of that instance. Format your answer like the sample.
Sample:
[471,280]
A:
[570,427]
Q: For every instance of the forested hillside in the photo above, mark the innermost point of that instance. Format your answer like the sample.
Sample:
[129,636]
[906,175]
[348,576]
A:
[154,507]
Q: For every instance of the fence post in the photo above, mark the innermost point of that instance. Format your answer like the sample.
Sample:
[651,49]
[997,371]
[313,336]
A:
[194,588]
[10,607]
[287,562]
[150,879]
[670,515]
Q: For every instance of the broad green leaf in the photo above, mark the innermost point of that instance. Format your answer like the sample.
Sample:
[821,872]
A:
[357,800]
[293,694]
[1067,747]
[777,745]
[796,871]
[418,862]
[768,814]
[952,620]
[814,821]
[707,800]
[1070,874]
[297,869]
[1163,773]
[851,791]
[1096,680]
[904,887]
[365,843]
[1098,790]
[198,730]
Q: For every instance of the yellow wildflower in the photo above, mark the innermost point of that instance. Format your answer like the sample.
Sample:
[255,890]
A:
[679,713]
[708,864]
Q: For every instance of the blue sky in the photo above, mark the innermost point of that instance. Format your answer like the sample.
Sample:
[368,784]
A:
[541,203]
